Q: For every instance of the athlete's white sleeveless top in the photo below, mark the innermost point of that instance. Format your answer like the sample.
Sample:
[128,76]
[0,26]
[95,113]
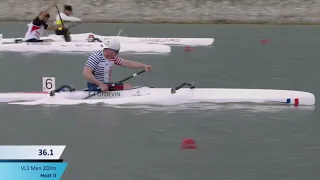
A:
[34,32]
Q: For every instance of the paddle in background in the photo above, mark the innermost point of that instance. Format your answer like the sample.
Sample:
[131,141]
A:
[121,81]
[66,33]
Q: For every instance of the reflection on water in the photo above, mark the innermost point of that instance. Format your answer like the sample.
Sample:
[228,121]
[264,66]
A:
[218,107]
[207,108]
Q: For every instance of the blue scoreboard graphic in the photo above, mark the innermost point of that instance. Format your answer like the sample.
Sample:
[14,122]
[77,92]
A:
[31,162]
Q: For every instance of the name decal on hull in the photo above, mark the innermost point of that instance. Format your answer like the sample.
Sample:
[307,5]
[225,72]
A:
[83,45]
[109,94]
[38,43]
[160,40]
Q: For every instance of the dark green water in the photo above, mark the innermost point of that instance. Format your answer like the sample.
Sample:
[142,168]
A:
[235,142]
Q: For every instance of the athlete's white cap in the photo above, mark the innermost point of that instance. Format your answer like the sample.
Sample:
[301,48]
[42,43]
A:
[111,44]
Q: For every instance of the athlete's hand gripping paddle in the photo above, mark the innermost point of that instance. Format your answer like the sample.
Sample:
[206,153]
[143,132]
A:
[121,81]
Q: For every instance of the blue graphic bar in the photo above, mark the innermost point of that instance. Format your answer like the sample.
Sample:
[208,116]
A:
[34,171]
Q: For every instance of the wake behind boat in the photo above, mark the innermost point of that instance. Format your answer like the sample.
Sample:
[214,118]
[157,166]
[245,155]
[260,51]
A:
[184,93]
[18,45]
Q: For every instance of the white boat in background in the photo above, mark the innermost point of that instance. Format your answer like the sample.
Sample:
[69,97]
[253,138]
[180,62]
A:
[144,94]
[84,37]
[17,45]
[87,37]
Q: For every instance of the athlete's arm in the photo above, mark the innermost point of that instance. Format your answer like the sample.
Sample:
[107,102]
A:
[68,18]
[133,64]
[44,13]
[88,69]
[88,75]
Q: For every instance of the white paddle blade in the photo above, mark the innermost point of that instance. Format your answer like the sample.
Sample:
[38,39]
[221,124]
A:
[119,32]
[48,84]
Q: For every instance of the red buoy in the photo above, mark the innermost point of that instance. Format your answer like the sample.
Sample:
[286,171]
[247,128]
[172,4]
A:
[264,41]
[189,144]
[187,49]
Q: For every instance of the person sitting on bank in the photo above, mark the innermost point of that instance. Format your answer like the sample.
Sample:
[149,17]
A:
[65,16]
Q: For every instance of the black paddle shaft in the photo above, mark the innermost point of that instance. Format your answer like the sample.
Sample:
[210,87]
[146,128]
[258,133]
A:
[127,78]
[66,34]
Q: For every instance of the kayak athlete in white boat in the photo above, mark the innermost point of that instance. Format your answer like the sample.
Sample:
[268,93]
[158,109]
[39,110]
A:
[98,68]
[39,24]
[65,16]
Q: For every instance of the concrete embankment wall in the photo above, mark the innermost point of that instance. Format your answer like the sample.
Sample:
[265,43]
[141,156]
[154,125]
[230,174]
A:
[174,11]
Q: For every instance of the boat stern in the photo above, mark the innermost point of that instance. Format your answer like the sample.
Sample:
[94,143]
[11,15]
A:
[305,98]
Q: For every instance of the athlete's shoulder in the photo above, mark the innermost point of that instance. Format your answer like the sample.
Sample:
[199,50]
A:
[117,60]
[37,22]
[95,55]
[62,15]
[37,18]
[58,16]
[98,52]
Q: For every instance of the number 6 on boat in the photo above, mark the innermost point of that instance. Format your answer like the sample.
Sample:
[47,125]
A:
[48,84]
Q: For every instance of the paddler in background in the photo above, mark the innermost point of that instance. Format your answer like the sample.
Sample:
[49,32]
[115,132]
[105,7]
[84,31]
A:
[98,68]
[39,24]
[65,16]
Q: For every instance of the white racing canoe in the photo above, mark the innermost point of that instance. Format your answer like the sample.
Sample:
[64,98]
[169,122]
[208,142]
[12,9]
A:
[190,95]
[83,37]
[60,46]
